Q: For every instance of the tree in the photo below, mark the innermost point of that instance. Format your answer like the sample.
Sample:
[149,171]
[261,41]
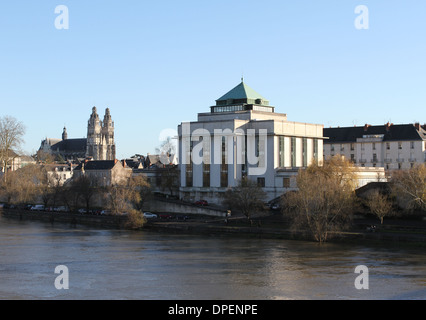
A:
[168,178]
[11,138]
[85,189]
[126,195]
[379,204]
[246,197]
[325,198]
[23,185]
[409,186]
[166,150]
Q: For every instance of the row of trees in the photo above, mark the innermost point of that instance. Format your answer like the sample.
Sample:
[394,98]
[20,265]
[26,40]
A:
[326,199]
[33,184]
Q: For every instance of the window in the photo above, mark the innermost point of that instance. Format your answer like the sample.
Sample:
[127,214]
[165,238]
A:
[316,142]
[206,175]
[189,175]
[293,151]
[261,182]
[412,144]
[281,152]
[399,145]
[374,146]
[352,146]
[305,152]
[387,146]
[224,166]
[286,182]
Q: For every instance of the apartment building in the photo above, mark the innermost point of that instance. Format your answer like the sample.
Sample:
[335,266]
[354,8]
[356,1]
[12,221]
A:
[390,146]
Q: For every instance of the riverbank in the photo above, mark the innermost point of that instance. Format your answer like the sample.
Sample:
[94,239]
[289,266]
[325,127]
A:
[269,226]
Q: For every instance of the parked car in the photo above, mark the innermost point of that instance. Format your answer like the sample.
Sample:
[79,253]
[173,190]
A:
[149,215]
[201,203]
[166,216]
[37,207]
[61,209]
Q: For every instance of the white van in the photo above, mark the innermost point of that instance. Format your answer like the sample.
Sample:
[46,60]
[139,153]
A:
[37,207]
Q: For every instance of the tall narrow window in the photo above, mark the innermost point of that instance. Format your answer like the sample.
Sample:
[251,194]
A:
[316,147]
[293,151]
[206,175]
[189,175]
[188,167]
[281,152]
[305,152]
[224,166]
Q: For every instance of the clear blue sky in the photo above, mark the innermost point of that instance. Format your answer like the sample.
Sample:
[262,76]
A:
[158,63]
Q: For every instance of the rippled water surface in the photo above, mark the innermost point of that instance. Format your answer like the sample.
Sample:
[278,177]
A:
[114,264]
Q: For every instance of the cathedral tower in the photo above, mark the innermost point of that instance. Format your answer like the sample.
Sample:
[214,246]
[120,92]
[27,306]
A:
[100,137]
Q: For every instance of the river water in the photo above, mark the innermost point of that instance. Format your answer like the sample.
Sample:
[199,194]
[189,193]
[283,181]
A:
[114,264]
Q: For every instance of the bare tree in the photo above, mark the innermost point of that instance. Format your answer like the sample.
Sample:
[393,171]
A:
[379,204]
[11,138]
[246,197]
[126,196]
[22,185]
[166,151]
[325,198]
[409,186]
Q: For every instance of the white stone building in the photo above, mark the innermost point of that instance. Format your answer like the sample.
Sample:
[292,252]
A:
[243,136]
[389,146]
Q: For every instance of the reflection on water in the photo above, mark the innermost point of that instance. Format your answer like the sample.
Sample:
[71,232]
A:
[113,264]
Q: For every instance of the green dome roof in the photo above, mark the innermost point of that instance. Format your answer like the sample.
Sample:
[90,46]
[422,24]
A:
[242,91]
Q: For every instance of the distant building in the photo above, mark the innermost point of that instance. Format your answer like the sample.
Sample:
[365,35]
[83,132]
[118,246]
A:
[103,172]
[64,149]
[389,146]
[99,144]
[16,162]
[59,174]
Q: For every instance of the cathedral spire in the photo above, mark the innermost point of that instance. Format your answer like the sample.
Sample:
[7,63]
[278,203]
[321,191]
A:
[64,134]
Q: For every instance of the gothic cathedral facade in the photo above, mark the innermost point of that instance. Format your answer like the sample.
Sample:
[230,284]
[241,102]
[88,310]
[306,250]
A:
[100,137]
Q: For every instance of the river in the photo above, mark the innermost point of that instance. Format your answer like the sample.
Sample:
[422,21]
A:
[117,264]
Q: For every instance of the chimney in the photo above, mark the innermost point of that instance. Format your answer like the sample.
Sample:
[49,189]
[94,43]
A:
[417,125]
[366,126]
[388,125]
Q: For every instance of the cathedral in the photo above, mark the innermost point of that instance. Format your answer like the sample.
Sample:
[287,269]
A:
[99,144]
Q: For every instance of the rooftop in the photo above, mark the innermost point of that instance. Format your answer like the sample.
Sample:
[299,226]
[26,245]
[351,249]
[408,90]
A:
[387,132]
[242,92]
